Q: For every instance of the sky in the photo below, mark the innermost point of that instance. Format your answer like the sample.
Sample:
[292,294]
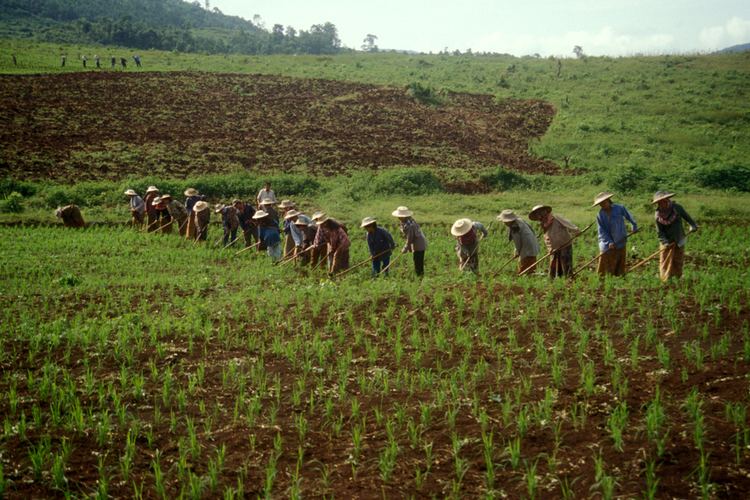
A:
[521,27]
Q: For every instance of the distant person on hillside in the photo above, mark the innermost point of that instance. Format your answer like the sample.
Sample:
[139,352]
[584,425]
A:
[62,61]
[84,59]
[70,215]
[137,207]
[613,235]
[265,194]
[137,60]
[123,62]
[113,61]
[98,62]
[669,216]
[15,61]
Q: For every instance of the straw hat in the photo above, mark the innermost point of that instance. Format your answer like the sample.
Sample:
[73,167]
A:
[291,214]
[318,215]
[661,195]
[166,197]
[156,201]
[236,201]
[461,227]
[286,204]
[200,206]
[507,216]
[323,218]
[605,195]
[368,221]
[152,189]
[535,212]
[191,192]
[300,221]
[130,192]
[218,207]
[260,214]
[402,212]
[268,202]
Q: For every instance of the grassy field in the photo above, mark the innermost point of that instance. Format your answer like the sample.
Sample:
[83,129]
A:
[142,365]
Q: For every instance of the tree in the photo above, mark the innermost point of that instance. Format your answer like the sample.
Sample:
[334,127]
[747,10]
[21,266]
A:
[368,44]
[578,51]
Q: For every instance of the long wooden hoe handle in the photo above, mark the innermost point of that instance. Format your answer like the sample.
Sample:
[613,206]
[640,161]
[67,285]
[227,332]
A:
[246,249]
[461,267]
[391,263]
[568,243]
[230,243]
[598,256]
[324,259]
[292,257]
[149,226]
[369,259]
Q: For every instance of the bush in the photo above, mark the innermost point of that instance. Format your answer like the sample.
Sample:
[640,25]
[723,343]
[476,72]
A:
[504,180]
[632,179]
[62,196]
[8,186]
[408,181]
[423,94]
[12,204]
[724,177]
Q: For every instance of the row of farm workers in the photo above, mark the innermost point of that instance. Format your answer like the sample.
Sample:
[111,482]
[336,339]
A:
[317,239]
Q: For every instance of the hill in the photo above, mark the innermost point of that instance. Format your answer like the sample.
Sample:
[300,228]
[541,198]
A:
[744,47]
[162,24]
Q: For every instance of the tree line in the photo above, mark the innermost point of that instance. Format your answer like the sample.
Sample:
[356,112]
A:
[161,24]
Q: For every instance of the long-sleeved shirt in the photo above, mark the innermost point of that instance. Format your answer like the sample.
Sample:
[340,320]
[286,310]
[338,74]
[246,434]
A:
[337,240]
[266,195]
[294,231]
[674,233]
[523,238]
[269,235]
[137,204]
[559,232]
[177,211]
[379,241]
[245,217]
[190,201]
[479,228]
[150,208]
[611,227]
[415,240]
[321,238]
[229,218]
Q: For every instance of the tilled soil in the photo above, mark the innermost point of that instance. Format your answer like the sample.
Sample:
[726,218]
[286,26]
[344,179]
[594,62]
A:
[72,127]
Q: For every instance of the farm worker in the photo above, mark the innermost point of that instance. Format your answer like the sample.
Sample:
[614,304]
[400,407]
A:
[192,196]
[523,238]
[287,206]
[320,242]
[415,240]
[245,213]
[467,249]
[97,61]
[113,61]
[380,243]
[84,59]
[229,221]
[201,217]
[137,60]
[613,235]
[265,194]
[177,211]
[137,207]
[338,245]
[123,62]
[267,206]
[152,215]
[558,233]
[62,61]
[309,229]
[162,215]
[70,215]
[669,216]
[268,232]
[293,233]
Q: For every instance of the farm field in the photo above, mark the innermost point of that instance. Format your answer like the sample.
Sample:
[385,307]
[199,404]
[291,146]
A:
[144,365]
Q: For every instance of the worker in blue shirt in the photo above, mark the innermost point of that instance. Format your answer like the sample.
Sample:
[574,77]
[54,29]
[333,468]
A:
[381,244]
[612,234]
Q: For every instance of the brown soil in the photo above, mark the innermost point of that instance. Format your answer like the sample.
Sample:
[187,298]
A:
[71,127]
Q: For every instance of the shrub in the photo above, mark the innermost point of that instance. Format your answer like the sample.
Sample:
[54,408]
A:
[423,94]
[62,196]
[12,204]
[8,186]
[405,181]
[504,180]
[631,179]
[724,177]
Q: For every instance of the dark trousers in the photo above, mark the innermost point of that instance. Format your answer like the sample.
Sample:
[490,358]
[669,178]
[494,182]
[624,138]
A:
[229,235]
[419,263]
[381,263]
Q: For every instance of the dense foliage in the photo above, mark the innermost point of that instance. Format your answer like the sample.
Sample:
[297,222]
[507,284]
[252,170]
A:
[162,24]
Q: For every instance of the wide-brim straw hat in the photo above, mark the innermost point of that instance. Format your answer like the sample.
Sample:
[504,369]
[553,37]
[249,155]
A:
[402,212]
[152,189]
[507,216]
[323,219]
[317,216]
[130,192]
[300,221]
[268,202]
[601,197]
[661,195]
[286,204]
[461,227]
[200,206]
[166,197]
[291,214]
[367,221]
[191,192]
[218,208]
[260,214]
[534,214]
[156,201]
